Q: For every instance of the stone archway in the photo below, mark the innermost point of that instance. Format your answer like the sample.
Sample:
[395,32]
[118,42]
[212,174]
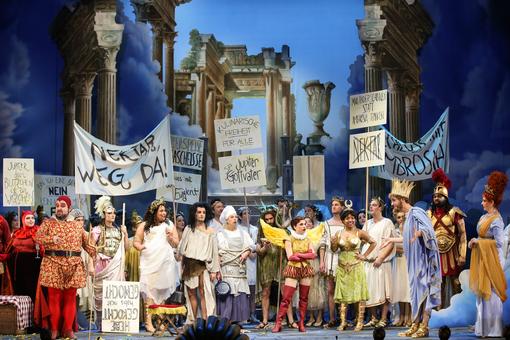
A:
[223,73]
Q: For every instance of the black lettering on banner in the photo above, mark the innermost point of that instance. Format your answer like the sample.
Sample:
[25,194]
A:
[149,172]
[112,177]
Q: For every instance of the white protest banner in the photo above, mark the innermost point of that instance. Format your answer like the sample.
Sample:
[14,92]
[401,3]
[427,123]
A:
[18,182]
[121,307]
[238,133]
[417,161]
[187,189]
[48,188]
[368,109]
[106,169]
[366,149]
[247,170]
[309,178]
[188,152]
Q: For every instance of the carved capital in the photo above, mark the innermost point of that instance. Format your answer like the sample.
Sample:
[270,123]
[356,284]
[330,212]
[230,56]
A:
[374,52]
[395,80]
[413,92]
[106,58]
[83,83]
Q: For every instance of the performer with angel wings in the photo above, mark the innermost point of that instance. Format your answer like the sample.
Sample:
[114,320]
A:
[299,250]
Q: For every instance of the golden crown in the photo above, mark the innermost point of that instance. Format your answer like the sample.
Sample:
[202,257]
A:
[401,187]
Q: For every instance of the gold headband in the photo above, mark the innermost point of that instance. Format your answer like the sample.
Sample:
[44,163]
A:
[155,204]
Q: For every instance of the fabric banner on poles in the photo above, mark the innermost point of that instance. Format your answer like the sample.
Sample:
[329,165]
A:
[417,161]
[106,169]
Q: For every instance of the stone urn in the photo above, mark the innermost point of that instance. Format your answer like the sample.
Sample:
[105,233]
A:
[319,98]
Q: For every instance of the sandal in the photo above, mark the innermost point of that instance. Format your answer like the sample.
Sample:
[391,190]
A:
[262,325]
[310,323]
[331,324]
[318,323]
[294,325]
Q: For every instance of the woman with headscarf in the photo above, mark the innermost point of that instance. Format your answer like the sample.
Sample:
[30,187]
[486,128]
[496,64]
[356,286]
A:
[234,247]
[24,257]
[111,242]
[487,279]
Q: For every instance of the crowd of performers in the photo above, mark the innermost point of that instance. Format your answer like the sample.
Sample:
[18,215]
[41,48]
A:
[354,266]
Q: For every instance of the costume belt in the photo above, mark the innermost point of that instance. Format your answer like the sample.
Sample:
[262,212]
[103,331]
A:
[62,253]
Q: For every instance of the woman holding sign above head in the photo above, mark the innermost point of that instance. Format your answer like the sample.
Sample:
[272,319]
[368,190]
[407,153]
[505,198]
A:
[111,243]
[155,238]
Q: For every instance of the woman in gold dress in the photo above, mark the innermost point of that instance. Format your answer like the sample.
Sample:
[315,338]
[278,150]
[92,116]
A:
[351,283]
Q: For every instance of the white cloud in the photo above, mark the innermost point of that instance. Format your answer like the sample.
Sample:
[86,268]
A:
[9,113]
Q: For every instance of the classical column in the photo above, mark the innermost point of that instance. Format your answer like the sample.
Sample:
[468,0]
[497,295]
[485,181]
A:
[210,113]
[68,99]
[412,103]
[201,93]
[169,68]
[107,96]
[412,128]
[396,101]
[109,38]
[157,45]
[271,169]
[374,82]
[228,110]
[83,84]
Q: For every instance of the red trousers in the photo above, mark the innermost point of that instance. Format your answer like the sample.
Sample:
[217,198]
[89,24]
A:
[62,303]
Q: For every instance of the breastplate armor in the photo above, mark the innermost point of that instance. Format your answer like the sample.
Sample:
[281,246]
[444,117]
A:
[109,241]
[445,230]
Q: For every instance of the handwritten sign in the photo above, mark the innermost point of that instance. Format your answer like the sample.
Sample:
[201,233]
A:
[368,109]
[18,182]
[188,152]
[417,161]
[106,169]
[238,133]
[366,149]
[48,188]
[187,189]
[309,178]
[242,171]
[121,307]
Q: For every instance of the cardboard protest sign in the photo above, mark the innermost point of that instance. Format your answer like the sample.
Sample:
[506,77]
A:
[366,149]
[187,189]
[368,109]
[48,188]
[309,181]
[18,182]
[238,133]
[188,152]
[246,170]
[121,307]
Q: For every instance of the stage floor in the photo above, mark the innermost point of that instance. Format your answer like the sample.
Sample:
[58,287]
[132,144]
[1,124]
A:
[311,334]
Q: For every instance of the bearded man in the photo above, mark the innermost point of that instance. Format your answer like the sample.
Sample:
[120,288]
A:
[450,229]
